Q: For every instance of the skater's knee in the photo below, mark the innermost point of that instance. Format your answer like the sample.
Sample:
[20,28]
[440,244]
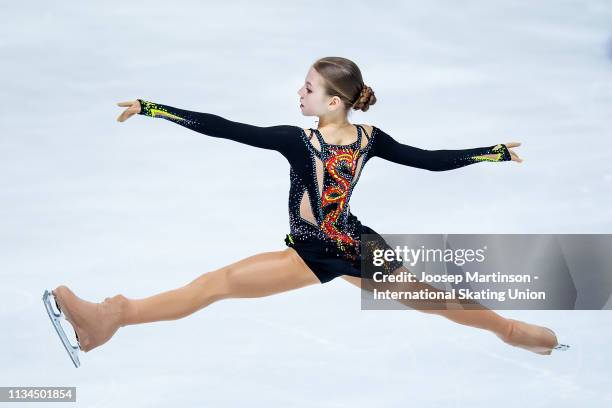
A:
[213,285]
[233,281]
[507,334]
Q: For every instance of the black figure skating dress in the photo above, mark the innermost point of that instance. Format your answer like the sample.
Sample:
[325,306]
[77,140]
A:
[323,231]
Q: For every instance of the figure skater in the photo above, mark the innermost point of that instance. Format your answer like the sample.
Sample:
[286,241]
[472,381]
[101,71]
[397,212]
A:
[324,239]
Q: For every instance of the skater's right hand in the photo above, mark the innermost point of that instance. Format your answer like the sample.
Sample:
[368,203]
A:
[133,108]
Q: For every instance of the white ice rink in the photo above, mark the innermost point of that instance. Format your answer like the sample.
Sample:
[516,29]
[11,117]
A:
[145,206]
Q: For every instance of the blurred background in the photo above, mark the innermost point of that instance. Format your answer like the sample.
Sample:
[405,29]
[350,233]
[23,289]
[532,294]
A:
[146,206]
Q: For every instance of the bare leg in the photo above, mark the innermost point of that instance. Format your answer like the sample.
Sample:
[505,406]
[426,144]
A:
[256,276]
[538,339]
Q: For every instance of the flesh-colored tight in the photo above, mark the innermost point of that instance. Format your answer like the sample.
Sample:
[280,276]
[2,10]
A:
[274,272]
[476,316]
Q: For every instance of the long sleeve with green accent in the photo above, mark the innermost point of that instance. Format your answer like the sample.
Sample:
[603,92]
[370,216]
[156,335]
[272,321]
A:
[390,149]
[281,138]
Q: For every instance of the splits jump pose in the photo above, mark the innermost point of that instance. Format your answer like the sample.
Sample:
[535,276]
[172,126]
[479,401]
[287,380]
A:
[324,238]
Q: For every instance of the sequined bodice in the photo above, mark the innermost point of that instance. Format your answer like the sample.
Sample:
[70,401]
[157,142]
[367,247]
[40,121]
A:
[319,195]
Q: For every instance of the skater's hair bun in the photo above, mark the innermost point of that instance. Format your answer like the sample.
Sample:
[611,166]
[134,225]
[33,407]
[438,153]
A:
[365,99]
[343,79]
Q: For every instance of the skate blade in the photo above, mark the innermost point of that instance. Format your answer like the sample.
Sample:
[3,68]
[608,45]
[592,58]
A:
[73,351]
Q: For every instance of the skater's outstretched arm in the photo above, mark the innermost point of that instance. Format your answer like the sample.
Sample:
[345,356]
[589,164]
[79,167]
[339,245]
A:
[281,138]
[438,160]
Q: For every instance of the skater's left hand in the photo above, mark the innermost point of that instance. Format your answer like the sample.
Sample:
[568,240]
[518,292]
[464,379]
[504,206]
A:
[513,155]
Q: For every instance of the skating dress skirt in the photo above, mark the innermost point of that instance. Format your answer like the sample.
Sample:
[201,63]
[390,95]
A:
[327,260]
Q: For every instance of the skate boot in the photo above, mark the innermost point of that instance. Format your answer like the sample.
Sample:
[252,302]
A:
[55,315]
[94,323]
[538,339]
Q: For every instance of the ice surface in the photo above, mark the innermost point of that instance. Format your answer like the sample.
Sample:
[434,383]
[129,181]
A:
[146,206]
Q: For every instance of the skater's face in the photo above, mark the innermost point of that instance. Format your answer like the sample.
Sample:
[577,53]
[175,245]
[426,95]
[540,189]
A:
[313,99]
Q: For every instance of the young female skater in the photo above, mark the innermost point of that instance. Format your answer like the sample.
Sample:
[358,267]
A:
[325,165]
